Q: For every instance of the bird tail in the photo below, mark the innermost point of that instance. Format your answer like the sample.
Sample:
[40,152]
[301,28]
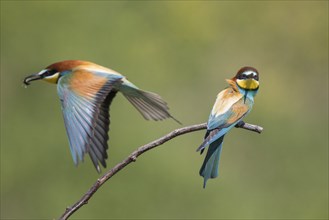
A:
[210,164]
[149,104]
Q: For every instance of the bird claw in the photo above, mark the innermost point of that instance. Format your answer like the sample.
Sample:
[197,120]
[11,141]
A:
[240,124]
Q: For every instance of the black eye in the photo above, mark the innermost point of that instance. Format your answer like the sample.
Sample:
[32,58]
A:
[243,76]
[256,77]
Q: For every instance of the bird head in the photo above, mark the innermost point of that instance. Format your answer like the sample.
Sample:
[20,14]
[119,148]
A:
[54,71]
[247,78]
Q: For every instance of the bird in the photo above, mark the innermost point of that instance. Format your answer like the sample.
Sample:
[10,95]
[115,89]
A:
[86,91]
[231,106]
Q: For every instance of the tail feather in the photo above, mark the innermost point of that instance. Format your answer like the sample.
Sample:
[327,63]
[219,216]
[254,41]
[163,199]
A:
[149,110]
[210,165]
[149,104]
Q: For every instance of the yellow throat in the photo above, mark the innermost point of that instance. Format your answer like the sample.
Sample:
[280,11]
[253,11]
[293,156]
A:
[52,79]
[248,83]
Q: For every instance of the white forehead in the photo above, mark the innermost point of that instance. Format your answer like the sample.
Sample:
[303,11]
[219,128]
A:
[42,72]
[249,72]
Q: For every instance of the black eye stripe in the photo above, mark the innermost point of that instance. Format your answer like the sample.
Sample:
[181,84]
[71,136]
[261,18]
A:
[49,73]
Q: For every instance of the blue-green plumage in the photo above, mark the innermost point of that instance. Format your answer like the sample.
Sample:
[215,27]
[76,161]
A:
[86,91]
[86,119]
[231,106]
[210,164]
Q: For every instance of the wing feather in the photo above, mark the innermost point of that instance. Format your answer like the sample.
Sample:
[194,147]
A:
[227,111]
[221,109]
[85,98]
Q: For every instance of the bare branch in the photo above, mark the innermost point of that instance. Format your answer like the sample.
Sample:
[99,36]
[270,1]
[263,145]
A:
[133,156]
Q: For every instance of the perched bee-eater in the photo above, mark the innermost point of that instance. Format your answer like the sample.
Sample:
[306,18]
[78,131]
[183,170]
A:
[86,91]
[231,106]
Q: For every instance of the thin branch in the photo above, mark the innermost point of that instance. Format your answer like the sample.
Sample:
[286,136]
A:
[133,156]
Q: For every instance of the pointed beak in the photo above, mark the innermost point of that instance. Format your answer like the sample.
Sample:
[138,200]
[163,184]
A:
[30,78]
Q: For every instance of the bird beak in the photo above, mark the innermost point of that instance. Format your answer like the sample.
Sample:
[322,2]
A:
[30,78]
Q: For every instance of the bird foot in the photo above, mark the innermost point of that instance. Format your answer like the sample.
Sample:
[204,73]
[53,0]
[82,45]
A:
[240,124]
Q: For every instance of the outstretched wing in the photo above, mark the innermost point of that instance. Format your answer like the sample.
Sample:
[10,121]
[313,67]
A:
[85,98]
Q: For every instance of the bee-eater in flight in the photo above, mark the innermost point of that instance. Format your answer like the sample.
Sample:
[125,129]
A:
[86,91]
[231,106]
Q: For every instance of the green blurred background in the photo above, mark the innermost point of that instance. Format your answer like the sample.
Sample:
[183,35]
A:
[183,51]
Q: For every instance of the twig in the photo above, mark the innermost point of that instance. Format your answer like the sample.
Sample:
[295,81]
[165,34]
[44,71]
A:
[133,156]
